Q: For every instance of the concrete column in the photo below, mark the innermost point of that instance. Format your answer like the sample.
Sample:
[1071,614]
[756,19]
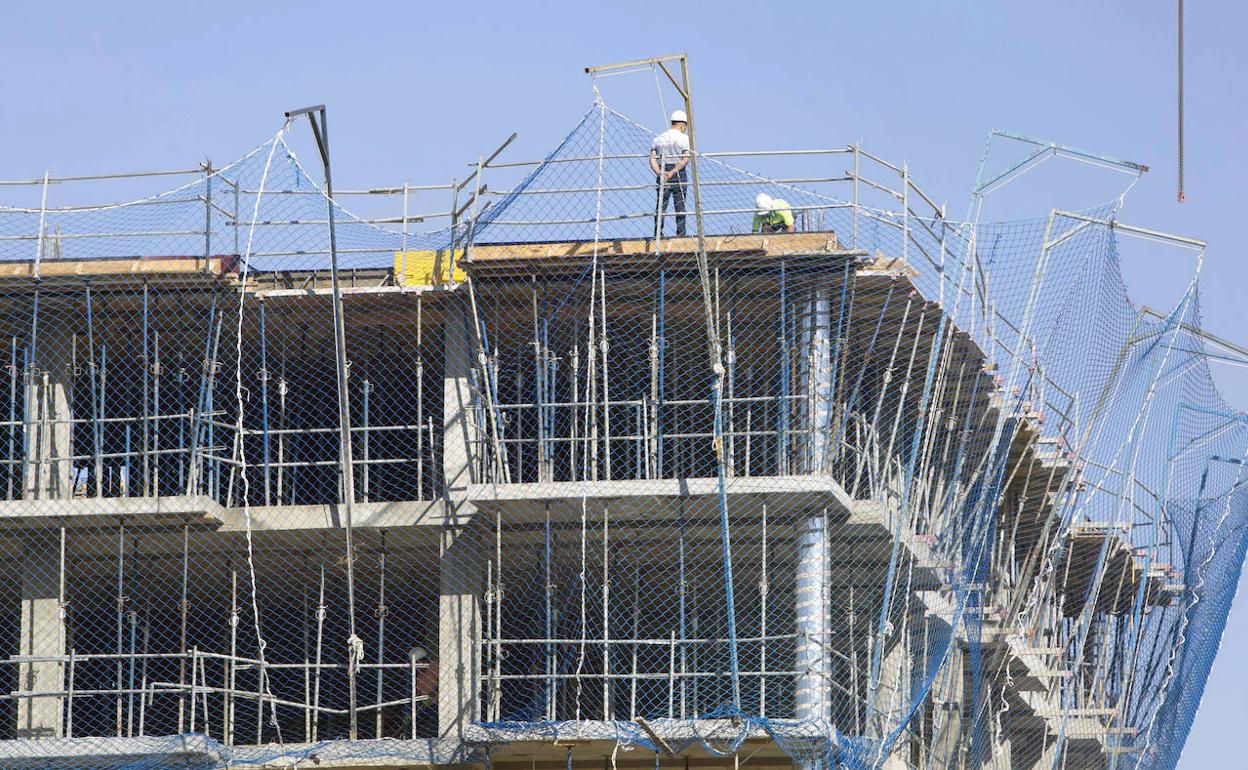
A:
[948,697]
[816,381]
[42,633]
[814,656]
[459,633]
[459,603]
[891,694]
[49,390]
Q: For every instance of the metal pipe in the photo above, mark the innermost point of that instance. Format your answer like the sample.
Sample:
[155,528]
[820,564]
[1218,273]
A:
[156,451]
[661,341]
[682,591]
[183,608]
[13,375]
[782,405]
[264,404]
[606,613]
[420,401]
[69,700]
[381,624]
[364,448]
[606,378]
[121,609]
[146,425]
[231,665]
[549,617]
[307,670]
[321,133]
[632,690]
[194,472]
[320,635]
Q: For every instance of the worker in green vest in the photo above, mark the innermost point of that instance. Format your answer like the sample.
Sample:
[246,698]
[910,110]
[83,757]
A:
[772,215]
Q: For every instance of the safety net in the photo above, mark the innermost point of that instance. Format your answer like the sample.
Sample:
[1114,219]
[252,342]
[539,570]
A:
[609,464]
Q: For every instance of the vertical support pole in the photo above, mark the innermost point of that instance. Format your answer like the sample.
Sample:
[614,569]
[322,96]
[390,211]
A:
[43,210]
[606,377]
[183,608]
[661,341]
[132,616]
[283,389]
[320,132]
[195,688]
[264,403]
[496,683]
[233,661]
[854,230]
[538,385]
[307,649]
[69,700]
[782,363]
[381,631]
[207,212]
[364,448]
[121,614]
[14,372]
[156,424]
[320,636]
[145,436]
[550,624]
[420,401]
[636,610]
[905,213]
[682,595]
[606,613]
[763,589]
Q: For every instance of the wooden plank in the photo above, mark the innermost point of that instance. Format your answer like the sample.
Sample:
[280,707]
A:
[114,268]
[775,244]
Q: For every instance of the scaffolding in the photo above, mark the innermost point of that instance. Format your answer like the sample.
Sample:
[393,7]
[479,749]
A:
[886,490]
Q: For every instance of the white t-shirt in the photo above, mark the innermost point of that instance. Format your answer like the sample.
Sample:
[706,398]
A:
[672,145]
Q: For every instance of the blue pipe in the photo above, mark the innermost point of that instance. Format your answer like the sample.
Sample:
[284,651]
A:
[147,372]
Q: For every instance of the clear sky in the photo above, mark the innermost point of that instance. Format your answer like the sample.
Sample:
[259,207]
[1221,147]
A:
[419,89]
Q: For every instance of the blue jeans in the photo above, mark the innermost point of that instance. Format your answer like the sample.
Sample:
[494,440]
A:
[673,189]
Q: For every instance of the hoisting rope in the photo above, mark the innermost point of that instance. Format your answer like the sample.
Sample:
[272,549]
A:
[263,685]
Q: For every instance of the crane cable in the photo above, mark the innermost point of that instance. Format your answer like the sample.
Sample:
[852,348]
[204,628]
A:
[1182,195]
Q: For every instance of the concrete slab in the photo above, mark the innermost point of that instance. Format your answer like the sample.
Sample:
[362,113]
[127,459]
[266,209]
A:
[664,497]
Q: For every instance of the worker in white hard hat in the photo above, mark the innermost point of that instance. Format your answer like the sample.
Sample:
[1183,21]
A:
[772,215]
[669,154]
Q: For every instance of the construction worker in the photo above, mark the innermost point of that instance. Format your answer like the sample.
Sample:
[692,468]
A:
[772,215]
[669,154]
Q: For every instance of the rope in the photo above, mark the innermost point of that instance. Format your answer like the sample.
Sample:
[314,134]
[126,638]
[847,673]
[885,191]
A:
[261,644]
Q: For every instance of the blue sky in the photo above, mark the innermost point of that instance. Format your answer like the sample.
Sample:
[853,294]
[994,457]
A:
[419,89]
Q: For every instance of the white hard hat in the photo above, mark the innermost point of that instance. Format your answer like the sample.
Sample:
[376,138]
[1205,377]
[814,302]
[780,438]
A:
[679,116]
[763,203]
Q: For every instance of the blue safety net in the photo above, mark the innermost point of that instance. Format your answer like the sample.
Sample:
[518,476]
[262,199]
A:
[606,463]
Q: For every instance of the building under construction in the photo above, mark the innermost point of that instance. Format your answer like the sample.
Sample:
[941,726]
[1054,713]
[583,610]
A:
[549,487]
